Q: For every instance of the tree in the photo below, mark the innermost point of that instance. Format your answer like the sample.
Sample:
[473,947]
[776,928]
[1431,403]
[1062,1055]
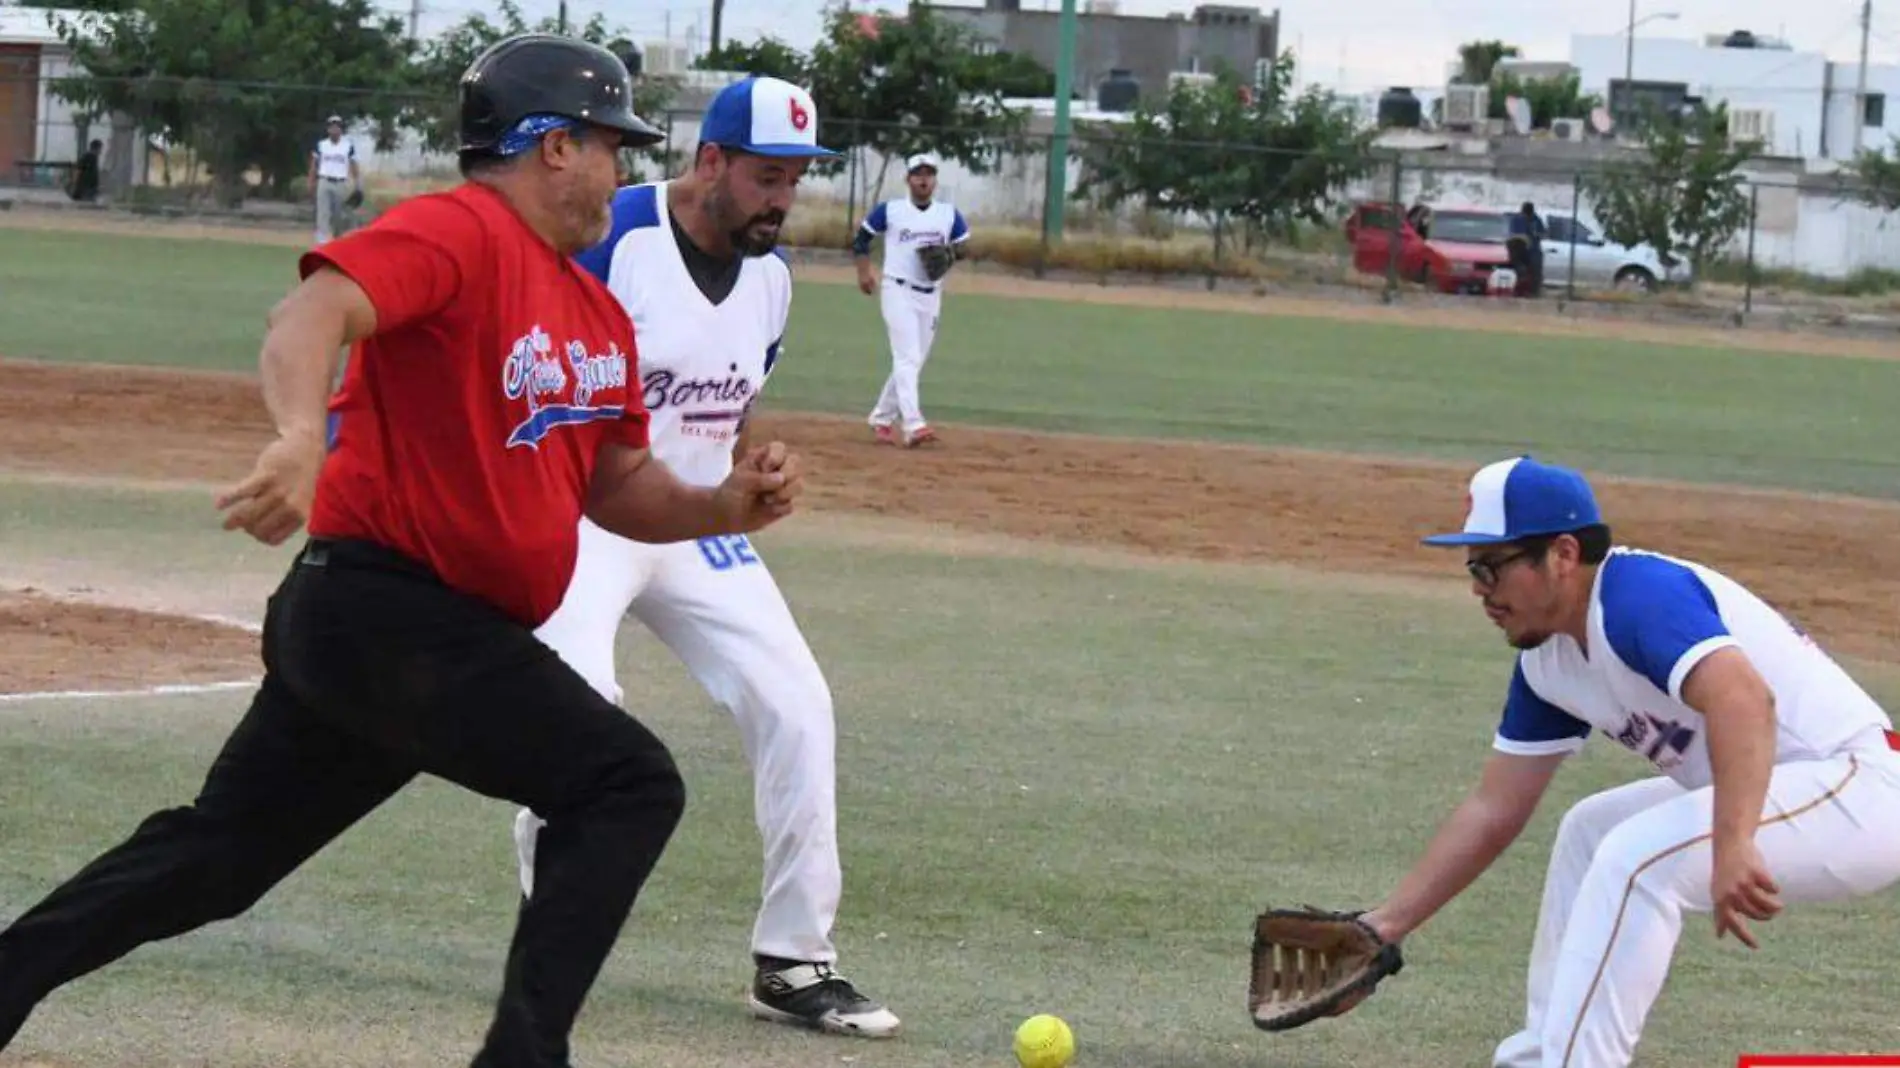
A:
[767,57]
[1013,74]
[1875,177]
[1550,98]
[902,84]
[1224,151]
[1478,60]
[1683,196]
[434,109]
[244,84]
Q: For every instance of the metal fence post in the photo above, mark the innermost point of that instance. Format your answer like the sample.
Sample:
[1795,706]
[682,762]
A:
[1213,266]
[1395,226]
[1748,270]
[851,179]
[1576,217]
[1048,175]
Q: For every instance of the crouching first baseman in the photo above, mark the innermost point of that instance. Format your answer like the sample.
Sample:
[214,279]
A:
[692,260]
[1778,779]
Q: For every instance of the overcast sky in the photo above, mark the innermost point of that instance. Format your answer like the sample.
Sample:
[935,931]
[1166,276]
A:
[1357,46]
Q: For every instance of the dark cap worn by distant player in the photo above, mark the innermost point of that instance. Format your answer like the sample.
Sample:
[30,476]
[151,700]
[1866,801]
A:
[1522,498]
[529,84]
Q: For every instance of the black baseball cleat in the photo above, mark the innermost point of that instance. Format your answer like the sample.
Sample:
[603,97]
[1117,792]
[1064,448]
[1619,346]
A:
[813,995]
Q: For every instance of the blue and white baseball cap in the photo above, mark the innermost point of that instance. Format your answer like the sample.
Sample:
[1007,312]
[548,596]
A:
[1522,498]
[763,116]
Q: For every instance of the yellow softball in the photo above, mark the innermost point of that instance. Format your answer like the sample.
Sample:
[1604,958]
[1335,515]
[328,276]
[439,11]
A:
[1044,1041]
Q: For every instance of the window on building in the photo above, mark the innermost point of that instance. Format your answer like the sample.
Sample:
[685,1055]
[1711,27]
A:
[1873,110]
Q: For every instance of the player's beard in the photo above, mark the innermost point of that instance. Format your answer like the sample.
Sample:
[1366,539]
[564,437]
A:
[755,235]
[600,218]
[750,240]
[588,209]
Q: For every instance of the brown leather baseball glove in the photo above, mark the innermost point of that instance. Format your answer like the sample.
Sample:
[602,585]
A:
[1309,963]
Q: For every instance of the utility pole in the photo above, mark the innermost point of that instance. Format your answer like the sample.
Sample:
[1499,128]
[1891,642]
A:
[719,10]
[1860,88]
[415,17]
[1057,184]
[561,19]
[1629,51]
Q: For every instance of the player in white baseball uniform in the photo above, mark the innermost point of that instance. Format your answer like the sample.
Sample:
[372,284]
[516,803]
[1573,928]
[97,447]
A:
[333,174]
[694,260]
[1778,777]
[910,300]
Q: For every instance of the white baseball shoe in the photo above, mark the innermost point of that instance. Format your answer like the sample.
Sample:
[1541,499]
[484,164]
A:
[813,995]
[923,435]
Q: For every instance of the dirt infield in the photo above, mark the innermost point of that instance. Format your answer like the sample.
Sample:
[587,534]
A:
[1821,558]
[55,646]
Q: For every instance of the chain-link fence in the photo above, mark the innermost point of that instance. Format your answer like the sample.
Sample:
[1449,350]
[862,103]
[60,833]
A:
[1386,220]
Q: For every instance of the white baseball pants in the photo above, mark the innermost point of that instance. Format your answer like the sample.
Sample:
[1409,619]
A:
[332,213]
[910,320]
[1630,861]
[715,605]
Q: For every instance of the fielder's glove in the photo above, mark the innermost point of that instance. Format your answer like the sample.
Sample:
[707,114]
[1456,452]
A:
[354,200]
[937,260]
[1309,963]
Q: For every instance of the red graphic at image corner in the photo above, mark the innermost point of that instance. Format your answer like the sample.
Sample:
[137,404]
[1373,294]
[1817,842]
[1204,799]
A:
[1819,1061]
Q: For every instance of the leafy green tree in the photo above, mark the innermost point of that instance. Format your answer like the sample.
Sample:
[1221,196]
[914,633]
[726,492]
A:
[1550,98]
[434,112]
[1478,60]
[245,85]
[1874,177]
[1013,74]
[897,84]
[1269,159]
[1683,196]
[767,57]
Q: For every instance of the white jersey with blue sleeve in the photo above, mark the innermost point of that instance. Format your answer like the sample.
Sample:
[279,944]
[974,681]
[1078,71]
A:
[1652,619]
[701,365]
[907,228]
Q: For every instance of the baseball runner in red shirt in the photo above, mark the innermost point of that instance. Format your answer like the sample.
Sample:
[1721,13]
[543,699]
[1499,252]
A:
[485,408]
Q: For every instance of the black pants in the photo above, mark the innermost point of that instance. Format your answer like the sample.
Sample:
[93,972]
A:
[375,673]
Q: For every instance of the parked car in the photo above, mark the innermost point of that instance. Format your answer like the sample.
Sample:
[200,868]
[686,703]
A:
[1456,253]
[1602,263]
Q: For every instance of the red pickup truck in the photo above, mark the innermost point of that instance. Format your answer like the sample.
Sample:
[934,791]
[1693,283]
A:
[1456,254]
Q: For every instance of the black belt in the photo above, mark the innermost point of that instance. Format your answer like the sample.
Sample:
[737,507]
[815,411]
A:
[915,286]
[368,555]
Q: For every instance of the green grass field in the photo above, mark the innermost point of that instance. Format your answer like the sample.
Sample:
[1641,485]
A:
[1067,780]
[1664,411]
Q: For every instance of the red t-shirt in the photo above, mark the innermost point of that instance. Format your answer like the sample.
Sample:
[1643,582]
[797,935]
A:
[469,422]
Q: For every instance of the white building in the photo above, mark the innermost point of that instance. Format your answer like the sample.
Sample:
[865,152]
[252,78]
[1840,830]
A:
[1800,103]
[37,127]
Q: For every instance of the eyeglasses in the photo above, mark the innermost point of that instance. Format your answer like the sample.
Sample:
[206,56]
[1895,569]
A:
[1484,571]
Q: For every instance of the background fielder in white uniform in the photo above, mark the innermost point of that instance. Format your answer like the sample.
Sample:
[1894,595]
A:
[1778,777]
[334,173]
[692,260]
[909,301]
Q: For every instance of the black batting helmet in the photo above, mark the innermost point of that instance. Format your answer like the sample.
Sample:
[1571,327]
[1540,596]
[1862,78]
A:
[544,74]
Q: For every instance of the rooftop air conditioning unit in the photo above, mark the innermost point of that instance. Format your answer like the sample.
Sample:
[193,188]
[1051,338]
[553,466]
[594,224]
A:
[1466,106]
[1568,129]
